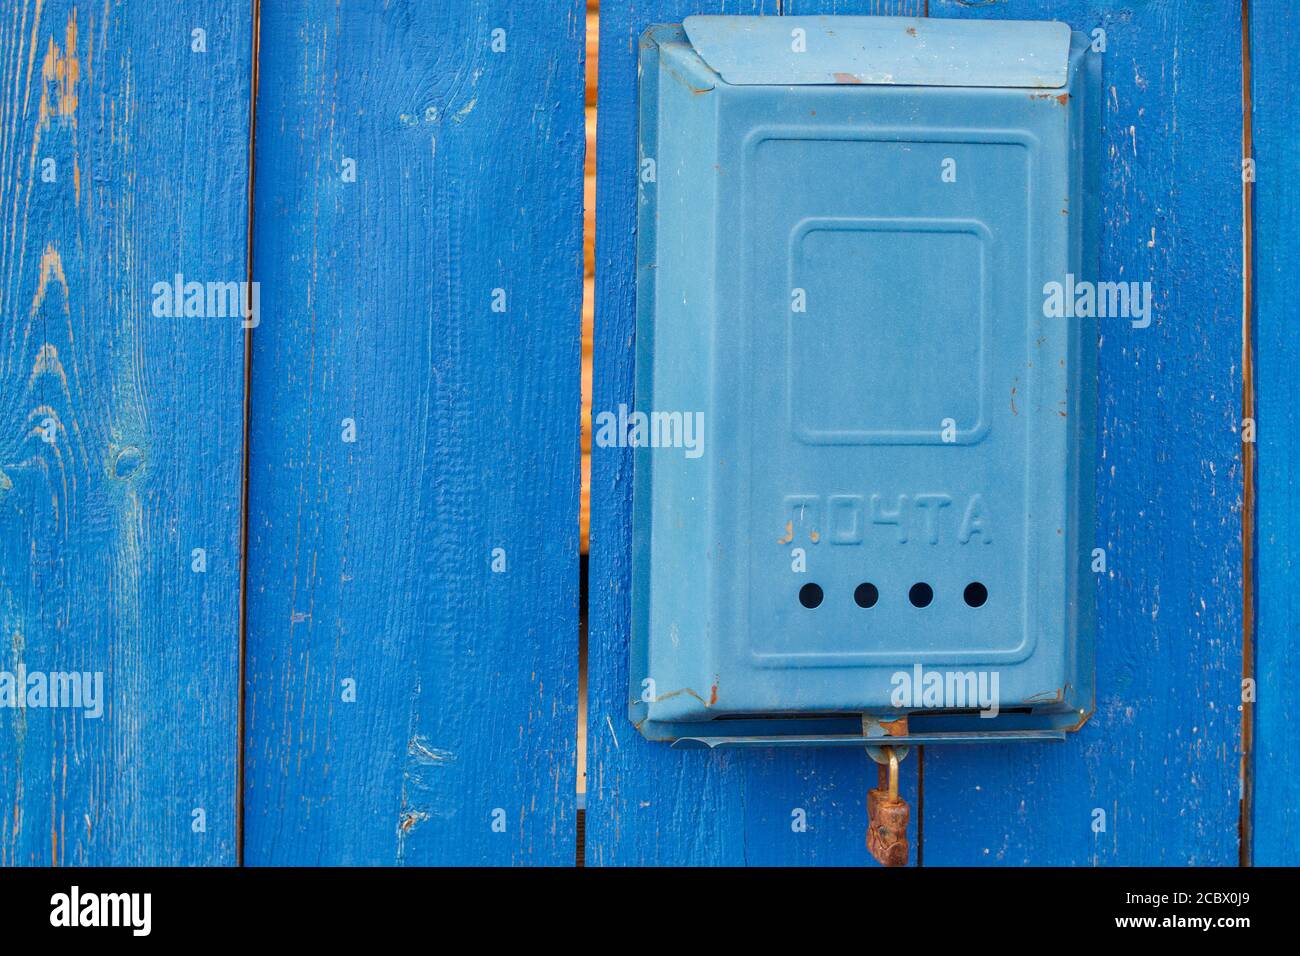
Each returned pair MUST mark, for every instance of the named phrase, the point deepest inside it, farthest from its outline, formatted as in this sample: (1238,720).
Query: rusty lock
(887,814)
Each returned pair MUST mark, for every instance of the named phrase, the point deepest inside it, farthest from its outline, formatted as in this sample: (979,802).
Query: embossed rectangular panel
(843,254)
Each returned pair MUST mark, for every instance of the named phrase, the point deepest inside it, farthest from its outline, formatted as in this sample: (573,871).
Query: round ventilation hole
(866,595)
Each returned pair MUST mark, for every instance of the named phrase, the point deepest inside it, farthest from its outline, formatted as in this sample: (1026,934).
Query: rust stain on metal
(1047,697)
(887,817)
(814,537)
(686,690)
(1084,716)
(713,695)
(911,31)
(686,83)
(846,78)
(789,533)
(895,728)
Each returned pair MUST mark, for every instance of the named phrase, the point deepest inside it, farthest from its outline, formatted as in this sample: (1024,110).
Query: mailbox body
(842,257)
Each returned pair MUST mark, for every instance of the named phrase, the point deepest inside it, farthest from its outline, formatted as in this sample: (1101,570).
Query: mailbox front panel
(845,278)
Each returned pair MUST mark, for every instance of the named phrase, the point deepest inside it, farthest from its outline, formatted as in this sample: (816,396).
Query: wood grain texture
(1161,754)
(646,803)
(149,145)
(1275,63)
(371,560)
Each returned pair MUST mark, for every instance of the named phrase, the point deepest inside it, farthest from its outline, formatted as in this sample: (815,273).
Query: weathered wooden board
(415,408)
(123,163)
(1161,754)
(646,803)
(1275,63)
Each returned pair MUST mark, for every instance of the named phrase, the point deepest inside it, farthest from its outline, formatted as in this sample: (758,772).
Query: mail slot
(847,227)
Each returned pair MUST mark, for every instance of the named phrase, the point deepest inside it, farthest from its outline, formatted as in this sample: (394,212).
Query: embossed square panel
(846,226)
(869,302)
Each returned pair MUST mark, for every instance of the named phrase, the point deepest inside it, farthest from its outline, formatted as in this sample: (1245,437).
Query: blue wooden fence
(123,163)
(413,498)
(1275,62)
(1160,756)
(409,655)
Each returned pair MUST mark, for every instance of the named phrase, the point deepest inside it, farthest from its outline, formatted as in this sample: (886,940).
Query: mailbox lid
(895,51)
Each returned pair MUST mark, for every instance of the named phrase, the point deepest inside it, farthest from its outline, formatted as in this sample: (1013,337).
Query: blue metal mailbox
(864,452)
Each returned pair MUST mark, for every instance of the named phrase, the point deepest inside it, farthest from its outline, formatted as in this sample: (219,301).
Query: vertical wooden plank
(123,163)
(1161,754)
(415,408)
(646,803)
(1275,62)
